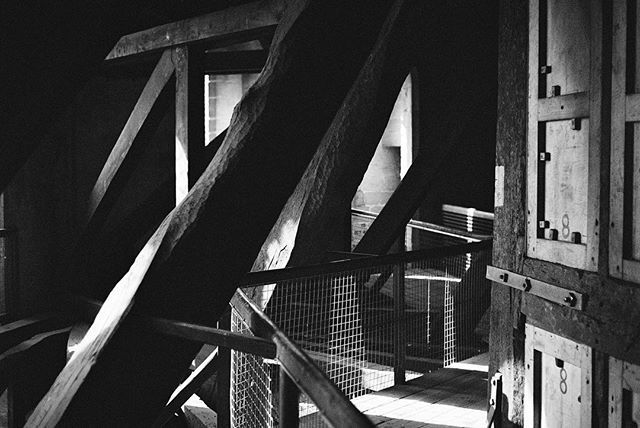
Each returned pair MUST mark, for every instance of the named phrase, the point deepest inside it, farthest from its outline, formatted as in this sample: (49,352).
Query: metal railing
(419,235)
(367,323)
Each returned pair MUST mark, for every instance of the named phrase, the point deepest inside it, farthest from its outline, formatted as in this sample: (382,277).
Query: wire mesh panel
(252,386)
(348,323)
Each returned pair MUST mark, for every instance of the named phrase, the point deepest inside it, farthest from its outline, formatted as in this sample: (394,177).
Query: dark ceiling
(49,48)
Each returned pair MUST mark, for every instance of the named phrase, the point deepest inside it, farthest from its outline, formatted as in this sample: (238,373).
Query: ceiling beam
(240,23)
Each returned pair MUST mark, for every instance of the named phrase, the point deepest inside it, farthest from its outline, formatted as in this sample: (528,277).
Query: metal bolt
(570,299)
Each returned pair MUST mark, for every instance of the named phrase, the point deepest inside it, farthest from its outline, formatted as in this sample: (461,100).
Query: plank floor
(451,397)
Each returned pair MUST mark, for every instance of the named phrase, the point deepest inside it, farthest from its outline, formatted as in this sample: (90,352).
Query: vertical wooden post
(399,337)
(189,117)
(289,395)
(223,377)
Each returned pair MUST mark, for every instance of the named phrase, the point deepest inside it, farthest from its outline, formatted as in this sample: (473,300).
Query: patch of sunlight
(434,278)
(417,411)
(484,368)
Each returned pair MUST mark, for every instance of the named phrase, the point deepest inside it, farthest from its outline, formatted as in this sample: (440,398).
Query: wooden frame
(111,179)
(541,341)
(227,26)
(625,106)
(189,142)
(622,375)
(586,104)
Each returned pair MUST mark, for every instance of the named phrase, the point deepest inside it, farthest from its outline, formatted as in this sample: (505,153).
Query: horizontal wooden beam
(563,107)
(234,61)
(240,23)
(633,108)
(20,361)
(18,331)
(276,275)
(88,309)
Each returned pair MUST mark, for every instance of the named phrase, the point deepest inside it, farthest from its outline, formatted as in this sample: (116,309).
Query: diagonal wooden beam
(16,360)
(405,200)
(235,24)
(205,370)
(13,333)
(204,247)
(29,368)
(308,222)
(103,191)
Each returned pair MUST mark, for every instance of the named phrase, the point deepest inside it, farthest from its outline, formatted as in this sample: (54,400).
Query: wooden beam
(506,336)
(89,308)
(205,246)
(15,362)
(564,107)
(232,25)
(404,201)
(18,331)
(313,211)
(234,61)
(189,142)
(28,369)
(187,388)
(103,191)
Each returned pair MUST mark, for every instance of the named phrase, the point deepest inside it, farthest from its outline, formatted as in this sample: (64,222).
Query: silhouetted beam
(240,23)
(311,217)
(113,175)
(40,83)
(405,200)
(13,333)
(28,370)
(190,267)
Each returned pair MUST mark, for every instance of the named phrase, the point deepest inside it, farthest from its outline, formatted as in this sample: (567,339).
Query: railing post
(289,395)
(400,331)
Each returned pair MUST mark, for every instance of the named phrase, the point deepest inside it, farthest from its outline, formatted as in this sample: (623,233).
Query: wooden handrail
(333,405)
(276,275)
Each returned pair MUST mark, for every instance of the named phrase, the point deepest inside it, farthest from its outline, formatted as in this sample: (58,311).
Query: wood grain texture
(507,331)
(244,22)
(204,247)
(619,106)
(609,321)
(554,406)
(189,105)
(567,106)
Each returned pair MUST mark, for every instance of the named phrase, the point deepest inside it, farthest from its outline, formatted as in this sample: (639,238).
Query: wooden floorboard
(451,397)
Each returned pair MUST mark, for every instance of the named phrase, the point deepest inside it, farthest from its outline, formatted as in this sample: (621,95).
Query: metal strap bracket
(550,292)
(495,402)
